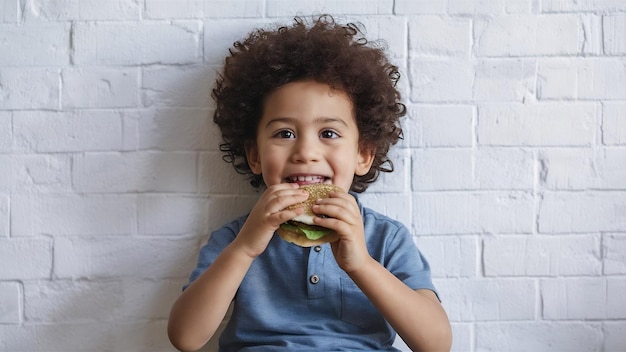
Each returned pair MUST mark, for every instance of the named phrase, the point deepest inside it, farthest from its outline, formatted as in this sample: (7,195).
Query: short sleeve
(391,243)
(217,242)
(406,261)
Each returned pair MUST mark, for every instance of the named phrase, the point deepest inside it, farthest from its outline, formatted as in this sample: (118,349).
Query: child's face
(308,134)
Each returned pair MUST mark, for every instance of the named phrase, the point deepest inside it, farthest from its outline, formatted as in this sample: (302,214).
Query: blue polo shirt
(295,298)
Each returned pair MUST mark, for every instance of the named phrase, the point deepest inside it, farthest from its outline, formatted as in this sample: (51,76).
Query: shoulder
(376,222)
(231,228)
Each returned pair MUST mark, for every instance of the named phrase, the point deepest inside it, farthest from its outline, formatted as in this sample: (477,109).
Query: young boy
(310,103)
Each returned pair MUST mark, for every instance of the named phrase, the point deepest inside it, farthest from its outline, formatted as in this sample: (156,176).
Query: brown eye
(285,134)
(329,134)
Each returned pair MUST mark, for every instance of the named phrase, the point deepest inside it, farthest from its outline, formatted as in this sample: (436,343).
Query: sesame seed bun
(291,231)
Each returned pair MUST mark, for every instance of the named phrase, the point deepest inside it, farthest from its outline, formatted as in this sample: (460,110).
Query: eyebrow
(319,120)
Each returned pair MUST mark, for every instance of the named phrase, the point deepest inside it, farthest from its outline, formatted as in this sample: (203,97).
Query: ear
(252,155)
(364,161)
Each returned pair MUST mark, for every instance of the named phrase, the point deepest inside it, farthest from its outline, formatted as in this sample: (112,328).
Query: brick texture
(511,174)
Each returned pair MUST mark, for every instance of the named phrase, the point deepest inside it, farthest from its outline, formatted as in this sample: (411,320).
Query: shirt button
(314,279)
(318,248)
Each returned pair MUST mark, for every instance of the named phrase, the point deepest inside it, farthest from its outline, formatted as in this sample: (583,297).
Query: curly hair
(326,52)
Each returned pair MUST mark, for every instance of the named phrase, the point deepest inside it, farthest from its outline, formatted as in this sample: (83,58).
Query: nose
(305,150)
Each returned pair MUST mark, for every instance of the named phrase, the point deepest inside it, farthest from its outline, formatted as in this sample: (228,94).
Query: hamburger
(301,230)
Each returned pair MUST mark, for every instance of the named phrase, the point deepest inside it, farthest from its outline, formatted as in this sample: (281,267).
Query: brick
(101,336)
(4,216)
(143,171)
(462,7)
(489,8)
(442,169)
(148,299)
(503,168)
(25,259)
(614,335)
(10,303)
(167,9)
(9,11)
(35,45)
(488,300)
(135,43)
(123,258)
(69,301)
(582,6)
(439,126)
(546,336)
(85,10)
(459,169)
(391,30)
(419,7)
(575,212)
(178,86)
(394,205)
(529,35)
(450,256)
(219,36)
(593,34)
(556,80)
(100,88)
(225,208)
(70,214)
(130,128)
(439,36)
(614,124)
(473,212)
(6,132)
(219,177)
(614,34)
(505,80)
(33,173)
(614,253)
(537,124)
(576,169)
(542,256)
(431,80)
(131,331)
(29,88)
(615,288)
(174,129)
(68,131)
(574,298)
(281,8)
(587,78)
(399,179)
(172,215)
(462,337)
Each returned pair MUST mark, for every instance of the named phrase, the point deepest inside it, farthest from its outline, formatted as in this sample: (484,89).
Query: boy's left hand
(344,217)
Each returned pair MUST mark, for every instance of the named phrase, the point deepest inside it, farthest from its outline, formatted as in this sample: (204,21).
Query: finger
(282,197)
(339,226)
(285,215)
(336,208)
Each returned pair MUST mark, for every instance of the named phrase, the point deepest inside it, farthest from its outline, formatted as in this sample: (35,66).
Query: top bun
(316,191)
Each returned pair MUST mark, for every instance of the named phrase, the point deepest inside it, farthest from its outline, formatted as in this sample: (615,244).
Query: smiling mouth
(306,180)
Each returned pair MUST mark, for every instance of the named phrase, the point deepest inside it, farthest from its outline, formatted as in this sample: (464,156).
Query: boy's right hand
(267,215)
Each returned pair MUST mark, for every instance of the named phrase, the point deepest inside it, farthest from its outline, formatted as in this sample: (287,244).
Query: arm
(417,316)
(198,312)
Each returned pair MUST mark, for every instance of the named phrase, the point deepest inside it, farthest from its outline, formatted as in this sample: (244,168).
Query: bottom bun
(303,241)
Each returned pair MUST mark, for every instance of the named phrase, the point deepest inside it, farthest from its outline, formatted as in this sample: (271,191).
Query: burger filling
(311,232)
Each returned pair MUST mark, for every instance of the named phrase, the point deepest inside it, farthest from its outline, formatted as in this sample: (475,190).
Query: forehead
(306,100)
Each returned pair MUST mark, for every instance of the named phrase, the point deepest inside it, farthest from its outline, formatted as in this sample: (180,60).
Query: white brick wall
(512,174)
